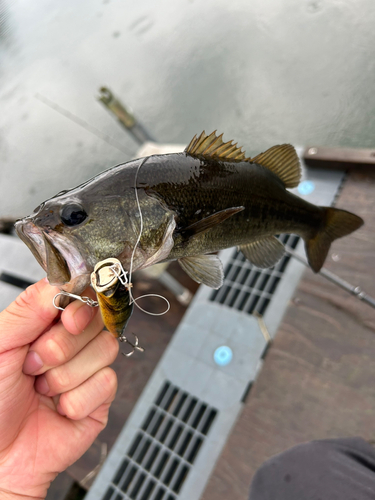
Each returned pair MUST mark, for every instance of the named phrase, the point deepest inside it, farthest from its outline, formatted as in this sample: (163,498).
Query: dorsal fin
(213,146)
(282,161)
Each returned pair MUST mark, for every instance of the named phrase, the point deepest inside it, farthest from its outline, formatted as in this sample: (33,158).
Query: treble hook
(135,346)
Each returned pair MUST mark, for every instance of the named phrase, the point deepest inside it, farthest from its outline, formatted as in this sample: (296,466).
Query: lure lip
(111,270)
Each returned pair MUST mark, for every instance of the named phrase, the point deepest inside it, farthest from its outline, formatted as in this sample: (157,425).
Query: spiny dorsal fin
(213,146)
(282,161)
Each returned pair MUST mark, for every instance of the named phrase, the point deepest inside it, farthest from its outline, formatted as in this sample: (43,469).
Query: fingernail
(60,410)
(41,385)
(82,317)
(32,363)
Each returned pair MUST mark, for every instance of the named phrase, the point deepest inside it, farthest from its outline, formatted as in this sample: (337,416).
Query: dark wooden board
(339,158)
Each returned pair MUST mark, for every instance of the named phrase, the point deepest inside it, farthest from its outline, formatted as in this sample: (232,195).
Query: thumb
(28,316)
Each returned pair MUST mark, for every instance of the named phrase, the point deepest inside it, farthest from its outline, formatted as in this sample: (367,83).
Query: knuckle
(108,345)
(109,379)
(59,379)
(109,383)
(73,407)
(23,301)
(27,300)
(57,352)
(24,298)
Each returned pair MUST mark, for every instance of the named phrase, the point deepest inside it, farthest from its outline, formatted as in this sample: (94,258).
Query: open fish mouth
(62,262)
(33,238)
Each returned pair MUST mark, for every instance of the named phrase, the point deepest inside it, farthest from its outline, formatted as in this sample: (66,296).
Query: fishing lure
(112,288)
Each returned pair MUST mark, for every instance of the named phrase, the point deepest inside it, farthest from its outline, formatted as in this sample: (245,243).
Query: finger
(28,316)
(90,396)
(57,346)
(98,353)
(77,315)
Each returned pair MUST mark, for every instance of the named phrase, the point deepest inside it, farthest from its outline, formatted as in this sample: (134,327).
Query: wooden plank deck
(318,377)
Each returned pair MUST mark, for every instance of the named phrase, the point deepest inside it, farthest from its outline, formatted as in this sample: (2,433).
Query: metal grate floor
(248,288)
(164,448)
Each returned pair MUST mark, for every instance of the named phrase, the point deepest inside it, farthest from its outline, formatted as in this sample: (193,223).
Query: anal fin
(206,269)
(264,253)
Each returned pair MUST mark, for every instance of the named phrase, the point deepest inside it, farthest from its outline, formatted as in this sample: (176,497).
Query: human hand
(55,388)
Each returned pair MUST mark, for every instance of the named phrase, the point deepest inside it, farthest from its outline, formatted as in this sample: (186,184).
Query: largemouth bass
(184,207)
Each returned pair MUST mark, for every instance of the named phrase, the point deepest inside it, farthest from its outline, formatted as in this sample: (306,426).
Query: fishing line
(132,299)
(79,121)
(123,276)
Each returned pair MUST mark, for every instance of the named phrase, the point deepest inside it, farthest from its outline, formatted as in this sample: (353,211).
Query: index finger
(28,316)
(77,314)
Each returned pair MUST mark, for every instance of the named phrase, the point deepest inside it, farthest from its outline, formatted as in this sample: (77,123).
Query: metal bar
(183,295)
(124,116)
(17,281)
(339,158)
(348,287)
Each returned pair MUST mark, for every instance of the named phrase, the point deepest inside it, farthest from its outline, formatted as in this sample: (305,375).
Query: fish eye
(73,214)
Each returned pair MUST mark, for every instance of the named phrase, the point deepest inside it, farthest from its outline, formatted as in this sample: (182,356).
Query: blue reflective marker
(223,355)
(306,187)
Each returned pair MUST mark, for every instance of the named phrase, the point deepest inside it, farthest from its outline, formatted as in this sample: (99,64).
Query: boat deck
(317,381)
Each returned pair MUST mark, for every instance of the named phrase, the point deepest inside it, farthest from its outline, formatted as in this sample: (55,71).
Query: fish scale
(190,204)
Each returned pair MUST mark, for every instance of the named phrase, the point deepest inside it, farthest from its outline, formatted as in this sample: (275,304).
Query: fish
(183,206)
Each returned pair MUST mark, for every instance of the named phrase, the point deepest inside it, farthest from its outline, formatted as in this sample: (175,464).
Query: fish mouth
(62,262)
(33,239)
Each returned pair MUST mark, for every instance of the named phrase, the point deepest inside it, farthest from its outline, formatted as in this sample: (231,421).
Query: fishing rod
(356,291)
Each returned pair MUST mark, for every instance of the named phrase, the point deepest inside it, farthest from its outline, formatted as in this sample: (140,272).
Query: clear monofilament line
(122,276)
(132,299)
(141,225)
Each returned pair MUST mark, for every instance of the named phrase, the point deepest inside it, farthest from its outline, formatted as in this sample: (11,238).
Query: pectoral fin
(210,221)
(264,253)
(206,269)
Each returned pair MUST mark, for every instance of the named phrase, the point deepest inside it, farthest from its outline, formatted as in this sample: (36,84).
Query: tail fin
(335,224)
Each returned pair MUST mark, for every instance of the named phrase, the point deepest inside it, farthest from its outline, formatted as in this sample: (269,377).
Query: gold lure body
(113,295)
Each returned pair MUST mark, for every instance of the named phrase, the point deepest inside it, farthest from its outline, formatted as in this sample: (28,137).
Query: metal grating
(164,449)
(248,288)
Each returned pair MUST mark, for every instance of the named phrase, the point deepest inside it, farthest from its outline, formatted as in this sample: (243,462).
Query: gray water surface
(262,72)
